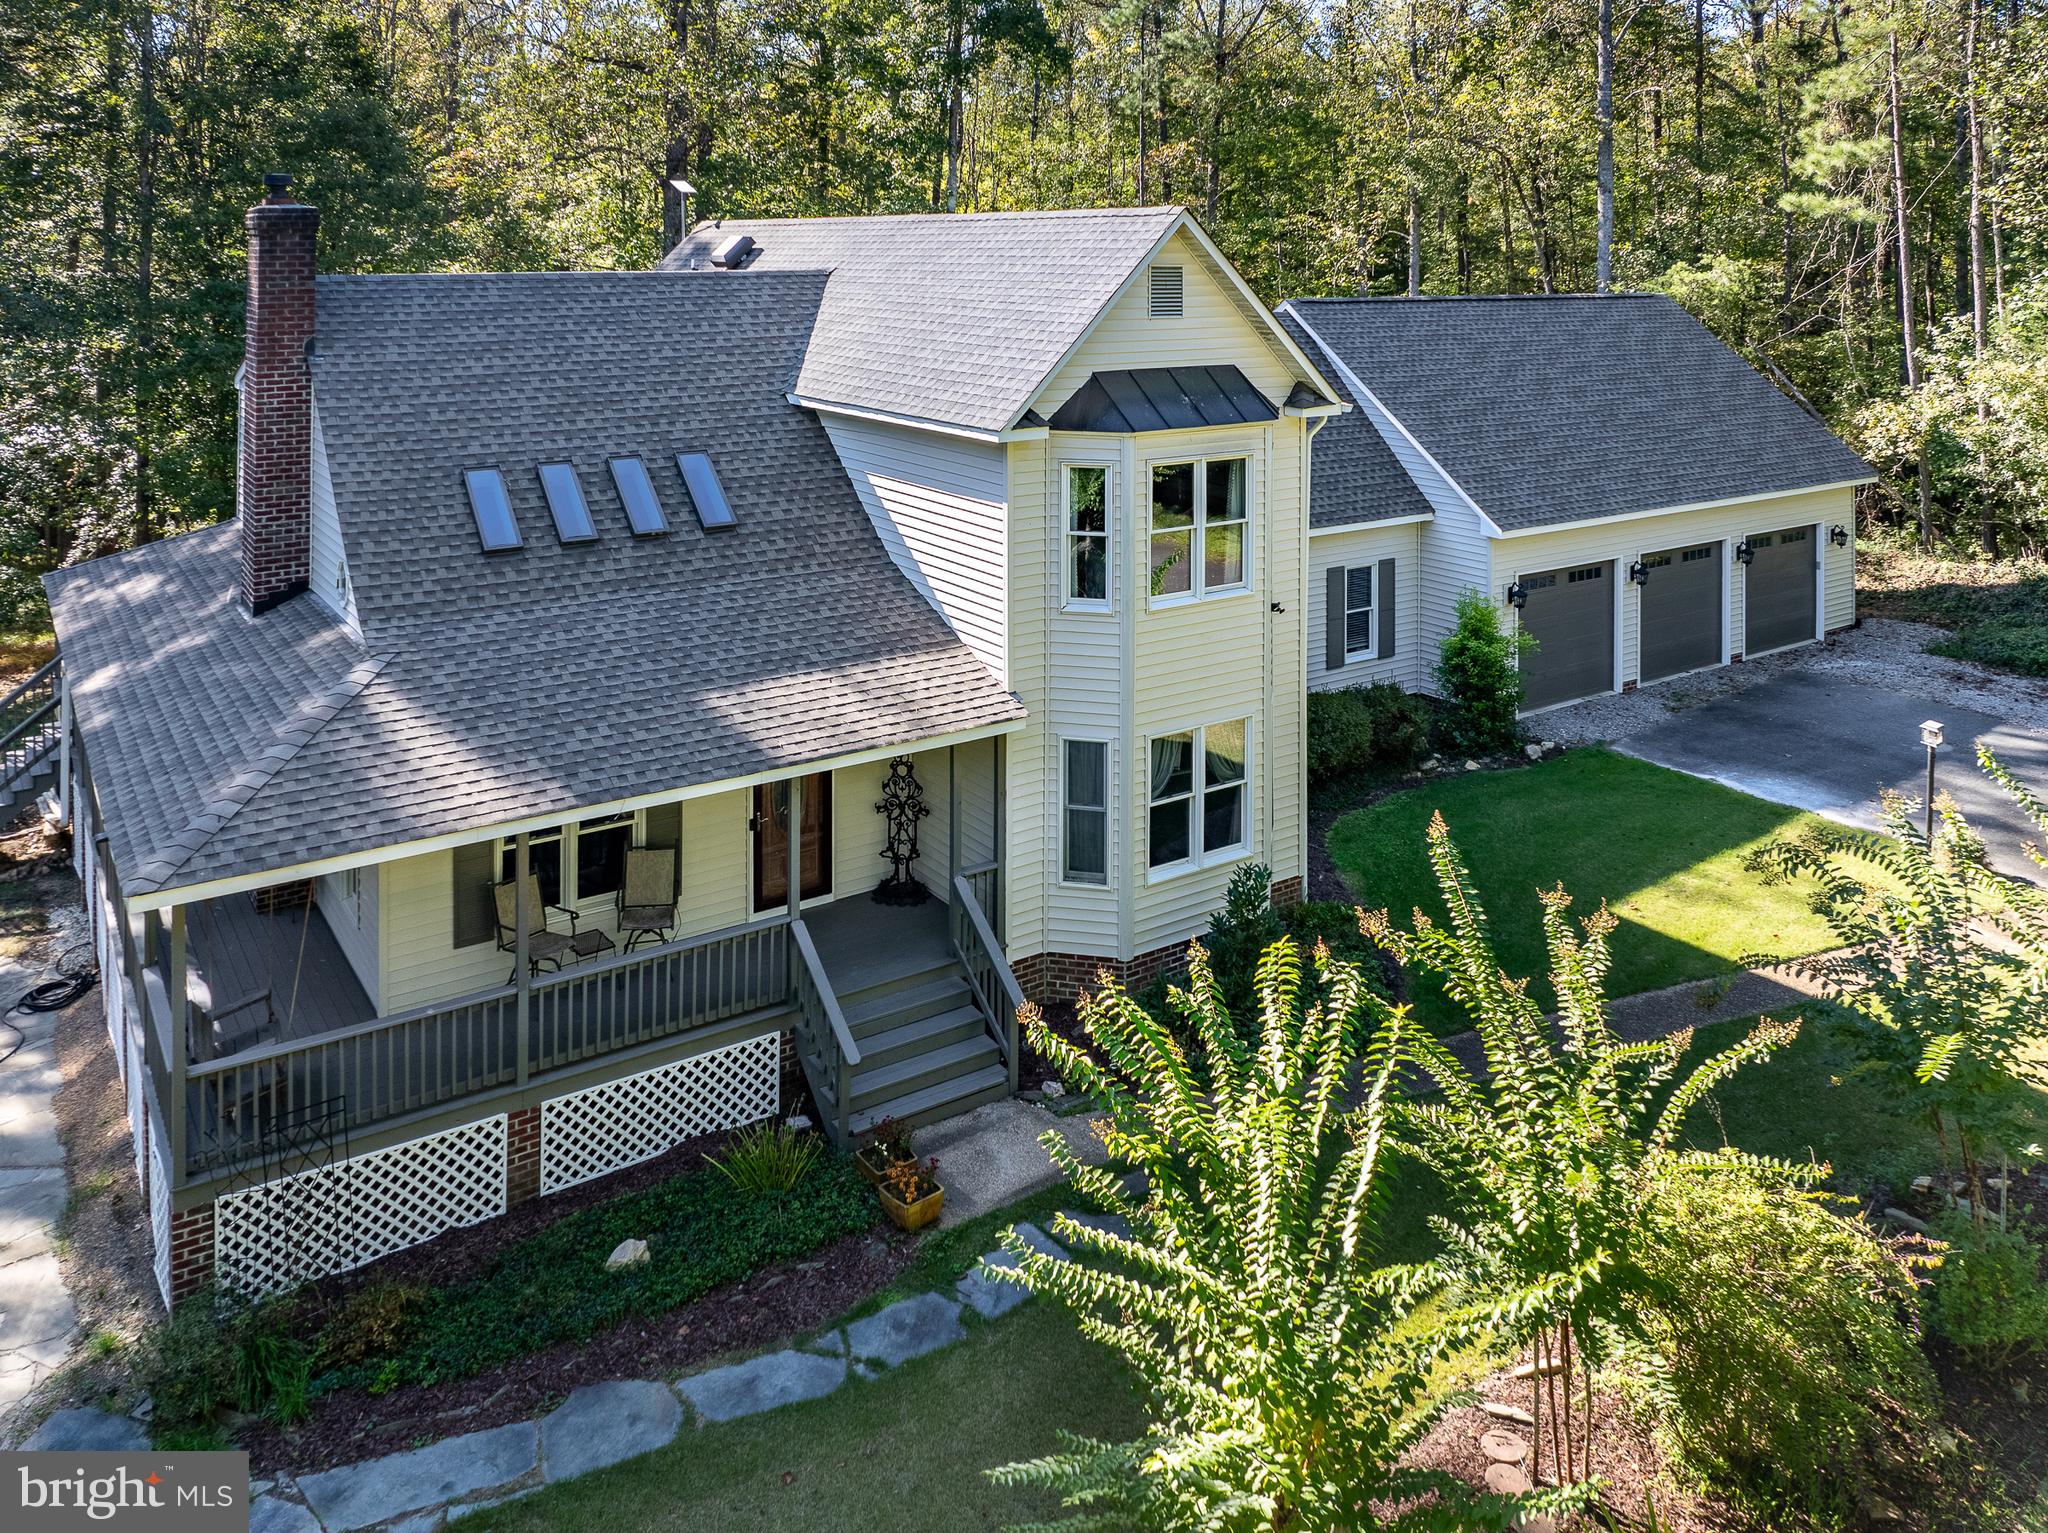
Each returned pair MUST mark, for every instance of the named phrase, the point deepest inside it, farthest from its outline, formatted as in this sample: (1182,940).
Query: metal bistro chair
(647,898)
(542,946)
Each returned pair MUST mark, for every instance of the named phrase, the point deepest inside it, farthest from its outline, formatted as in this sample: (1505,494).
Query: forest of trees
(1855,194)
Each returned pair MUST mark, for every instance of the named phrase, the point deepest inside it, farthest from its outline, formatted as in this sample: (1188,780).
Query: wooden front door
(771,841)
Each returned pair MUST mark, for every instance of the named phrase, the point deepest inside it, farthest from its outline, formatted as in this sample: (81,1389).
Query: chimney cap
(276,183)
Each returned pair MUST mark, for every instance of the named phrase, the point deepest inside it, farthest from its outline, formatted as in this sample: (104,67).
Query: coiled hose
(74,979)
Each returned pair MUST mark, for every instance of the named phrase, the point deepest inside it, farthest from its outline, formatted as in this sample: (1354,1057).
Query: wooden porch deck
(237,951)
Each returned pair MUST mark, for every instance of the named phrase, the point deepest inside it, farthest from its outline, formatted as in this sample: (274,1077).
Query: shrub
(1285,1373)
(1361,728)
(271,1367)
(1247,925)
(189,1363)
(702,1232)
(770,1157)
(1476,669)
(368,1323)
(1777,1365)
(1988,1298)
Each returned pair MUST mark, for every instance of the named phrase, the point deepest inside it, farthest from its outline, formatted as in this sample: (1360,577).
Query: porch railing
(824,1042)
(988,971)
(30,726)
(390,1066)
(986,880)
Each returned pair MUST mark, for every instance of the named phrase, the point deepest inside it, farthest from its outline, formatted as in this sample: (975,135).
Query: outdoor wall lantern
(1517,597)
(1743,552)
(1839,535)
(1639,573)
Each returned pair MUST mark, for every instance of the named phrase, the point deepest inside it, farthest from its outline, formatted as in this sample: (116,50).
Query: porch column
(952,818)
(522,865)
(180,1042)
(1000,774)
(795,847)
(63,749)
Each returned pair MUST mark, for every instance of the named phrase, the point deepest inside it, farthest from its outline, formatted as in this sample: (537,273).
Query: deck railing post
(522,863)
(180,1043)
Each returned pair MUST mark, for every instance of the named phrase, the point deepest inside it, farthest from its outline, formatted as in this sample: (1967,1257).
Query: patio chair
(542,946)
(647,898)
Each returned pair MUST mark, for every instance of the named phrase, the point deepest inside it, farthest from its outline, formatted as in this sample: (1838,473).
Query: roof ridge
(1144,210)
(1449,298)
(290,737)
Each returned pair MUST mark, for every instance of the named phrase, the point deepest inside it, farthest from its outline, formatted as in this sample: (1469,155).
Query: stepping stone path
(426,1489)
(86,1431)
(602,1424)
(780,1378)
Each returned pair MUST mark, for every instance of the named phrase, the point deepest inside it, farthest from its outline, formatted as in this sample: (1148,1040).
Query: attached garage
(1682,606)
(1570,614)
(1781,589)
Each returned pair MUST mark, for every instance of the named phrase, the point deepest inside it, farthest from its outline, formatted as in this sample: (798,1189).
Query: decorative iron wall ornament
(902,806)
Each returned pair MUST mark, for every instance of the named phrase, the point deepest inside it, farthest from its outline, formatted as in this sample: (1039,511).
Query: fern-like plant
(1939,983)
(1285,1373)
(1551,1157)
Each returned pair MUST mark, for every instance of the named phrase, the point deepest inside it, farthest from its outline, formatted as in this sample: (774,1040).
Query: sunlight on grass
(1663,849)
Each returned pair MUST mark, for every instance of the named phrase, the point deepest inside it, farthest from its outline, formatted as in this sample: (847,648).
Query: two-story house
(501,798)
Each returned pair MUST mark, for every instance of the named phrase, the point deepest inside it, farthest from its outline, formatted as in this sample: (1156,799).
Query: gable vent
(1166,292)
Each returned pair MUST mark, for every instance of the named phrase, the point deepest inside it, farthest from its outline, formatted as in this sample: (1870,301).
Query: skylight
(565,500)
(643,511)
(492,508)
(706,493)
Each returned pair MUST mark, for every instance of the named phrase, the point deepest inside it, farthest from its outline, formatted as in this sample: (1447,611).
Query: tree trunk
(1144,123)
(676,113)
(1603,117)
(1905,265)
(956,63)
(145,275)
(1699,128)
(1987,514)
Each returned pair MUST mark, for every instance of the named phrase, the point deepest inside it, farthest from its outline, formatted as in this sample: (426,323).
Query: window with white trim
(1084,812)
(1360,635)
(1088,536)
(1201,518)
(1196,796)
(594,851)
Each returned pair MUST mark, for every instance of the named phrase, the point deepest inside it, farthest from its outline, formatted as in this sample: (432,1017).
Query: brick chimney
(273,467)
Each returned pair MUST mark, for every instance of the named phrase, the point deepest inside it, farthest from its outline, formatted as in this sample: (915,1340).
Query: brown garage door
(1681,610)
(1570,614)
(1778,589)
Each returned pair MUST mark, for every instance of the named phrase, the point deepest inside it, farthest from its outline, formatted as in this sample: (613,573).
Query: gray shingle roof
(1548,410)
(495,687)
(950,317)
(1353,474)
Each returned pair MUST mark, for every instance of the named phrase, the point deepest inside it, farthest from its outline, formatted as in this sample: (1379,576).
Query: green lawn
(1663,849)
(903,1452)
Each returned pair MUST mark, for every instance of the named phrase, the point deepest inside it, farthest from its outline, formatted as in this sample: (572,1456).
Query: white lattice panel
(333,1218)
(623,1122)
(137,1131)
(160,1207)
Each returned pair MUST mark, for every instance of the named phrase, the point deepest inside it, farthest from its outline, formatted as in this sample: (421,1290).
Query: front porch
(350,1009)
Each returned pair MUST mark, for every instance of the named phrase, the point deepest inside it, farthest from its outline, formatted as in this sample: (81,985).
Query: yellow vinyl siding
(1624,542)
(1028,871)
(1410,667)
(1211,331)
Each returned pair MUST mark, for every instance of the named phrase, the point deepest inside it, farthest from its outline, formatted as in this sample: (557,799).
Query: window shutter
(1383,601)
(476,914)
(664,824)
(1333,619)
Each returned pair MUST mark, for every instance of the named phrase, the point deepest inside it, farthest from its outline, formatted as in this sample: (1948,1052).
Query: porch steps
(27,788)
(926,1052)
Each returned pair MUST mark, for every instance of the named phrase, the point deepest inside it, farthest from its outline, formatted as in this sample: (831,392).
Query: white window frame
(1198,788)
(1108,811)
(567,833)
(1198,563)
(1372,627)
(1069,602)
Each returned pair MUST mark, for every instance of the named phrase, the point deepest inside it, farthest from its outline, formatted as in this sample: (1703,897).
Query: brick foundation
(1047,977)
(191,1251)
(1287,892)
(522,1155)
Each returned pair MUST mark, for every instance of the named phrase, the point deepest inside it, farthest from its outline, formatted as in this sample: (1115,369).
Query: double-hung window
(1198,811)
(1359,641)
(1201,515)
(1088,536)
(581,862)
(1084,800)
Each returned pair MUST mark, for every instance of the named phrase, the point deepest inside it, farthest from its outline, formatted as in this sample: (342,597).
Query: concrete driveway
(1819,741)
